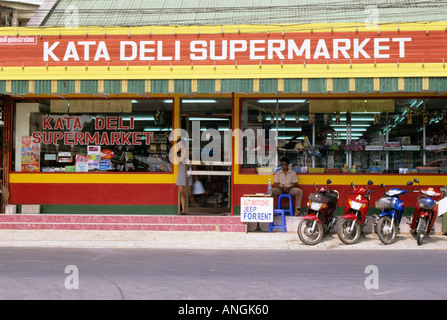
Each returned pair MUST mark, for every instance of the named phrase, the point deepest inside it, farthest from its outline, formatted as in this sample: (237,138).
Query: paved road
(42,273)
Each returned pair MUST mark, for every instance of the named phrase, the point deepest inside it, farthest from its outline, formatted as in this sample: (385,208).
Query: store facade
(90,113)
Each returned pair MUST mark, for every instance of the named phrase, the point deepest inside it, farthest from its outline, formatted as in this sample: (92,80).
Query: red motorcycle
(320,217)
(354,217)
(426,212)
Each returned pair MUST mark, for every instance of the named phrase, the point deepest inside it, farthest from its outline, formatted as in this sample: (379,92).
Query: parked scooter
(354,217)
(425,213)
(391,208)
(320,215)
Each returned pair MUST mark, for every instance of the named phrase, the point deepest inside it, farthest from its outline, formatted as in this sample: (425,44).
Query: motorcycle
(426,212)
(354,216)
(320,215)
(392,208)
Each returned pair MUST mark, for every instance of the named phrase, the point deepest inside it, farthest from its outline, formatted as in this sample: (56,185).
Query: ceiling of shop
(211,12)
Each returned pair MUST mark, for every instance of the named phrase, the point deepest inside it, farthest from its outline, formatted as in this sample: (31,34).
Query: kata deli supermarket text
(116,131)
(226,50)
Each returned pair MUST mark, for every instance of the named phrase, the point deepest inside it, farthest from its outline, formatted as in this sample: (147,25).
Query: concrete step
(121,222)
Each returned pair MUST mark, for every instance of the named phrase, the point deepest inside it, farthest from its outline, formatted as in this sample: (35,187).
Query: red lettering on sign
(68,122)
(115,138)
(37,136)
(77,124)
(121,126)
(111,123)
(136,138)
(78,138)
(57,136)
(89,139)
(68,138)
(59,124)
(46,123)
(125,138)
(104,139)
(99,123)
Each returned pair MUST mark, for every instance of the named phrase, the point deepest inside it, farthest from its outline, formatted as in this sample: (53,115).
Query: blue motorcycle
(392,208)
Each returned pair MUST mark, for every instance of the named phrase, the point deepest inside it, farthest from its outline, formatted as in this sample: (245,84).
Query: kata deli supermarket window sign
(61,128)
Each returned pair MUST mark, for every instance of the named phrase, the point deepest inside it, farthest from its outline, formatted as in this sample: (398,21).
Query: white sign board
(257,209)
(442,207)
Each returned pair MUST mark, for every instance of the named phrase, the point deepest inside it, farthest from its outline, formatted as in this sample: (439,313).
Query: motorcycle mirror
(382,185)
(329,181)
(416,180)
(352,184)
(370,182)
(315,185)
(409,183)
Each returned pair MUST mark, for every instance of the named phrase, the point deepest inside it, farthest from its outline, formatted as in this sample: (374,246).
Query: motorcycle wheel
(420,231)
(382,225)
(305,233)
(346,236)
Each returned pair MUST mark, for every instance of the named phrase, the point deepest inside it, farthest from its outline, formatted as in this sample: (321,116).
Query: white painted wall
(21,128)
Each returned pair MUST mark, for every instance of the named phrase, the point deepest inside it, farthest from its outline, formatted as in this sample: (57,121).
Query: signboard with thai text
(139,53)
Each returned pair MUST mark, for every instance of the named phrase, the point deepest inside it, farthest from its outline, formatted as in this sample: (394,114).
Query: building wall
(28,78)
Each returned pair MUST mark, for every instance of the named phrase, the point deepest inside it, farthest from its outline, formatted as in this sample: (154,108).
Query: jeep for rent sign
(257,209)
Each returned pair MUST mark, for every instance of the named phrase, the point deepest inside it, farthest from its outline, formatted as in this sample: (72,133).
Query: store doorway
(208,171)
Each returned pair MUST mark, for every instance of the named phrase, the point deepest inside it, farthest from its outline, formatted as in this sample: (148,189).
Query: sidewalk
(201,240)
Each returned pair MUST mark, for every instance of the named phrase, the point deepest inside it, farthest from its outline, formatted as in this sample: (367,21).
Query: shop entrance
(209,168)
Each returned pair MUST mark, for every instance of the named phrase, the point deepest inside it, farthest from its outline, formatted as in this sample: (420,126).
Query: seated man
(285,181)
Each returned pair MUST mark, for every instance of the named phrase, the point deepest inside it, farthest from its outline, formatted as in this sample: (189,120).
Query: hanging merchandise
(433,114)
(306,142)
(262,109)
(348,118)
(159,118)
(283,117)
(311,118)
(297,118)
(259,117)
(337,118)
(377,118)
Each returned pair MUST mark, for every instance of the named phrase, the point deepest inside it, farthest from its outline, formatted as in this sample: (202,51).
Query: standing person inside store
(181,176)
(286,181)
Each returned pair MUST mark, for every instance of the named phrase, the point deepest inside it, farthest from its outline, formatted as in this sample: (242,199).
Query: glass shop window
(93,136)
(345,136)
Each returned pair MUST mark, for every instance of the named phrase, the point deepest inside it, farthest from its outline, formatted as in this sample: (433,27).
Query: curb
(201,240)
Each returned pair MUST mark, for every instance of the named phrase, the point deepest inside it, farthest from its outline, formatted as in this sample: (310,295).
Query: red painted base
(116,222)
(93,194)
